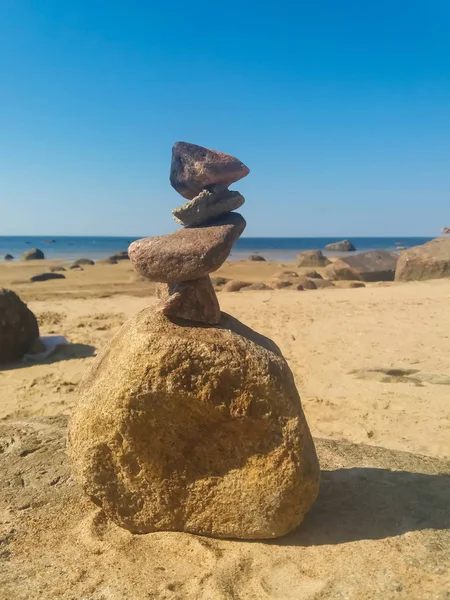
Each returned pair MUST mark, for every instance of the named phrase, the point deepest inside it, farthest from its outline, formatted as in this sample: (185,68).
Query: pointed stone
(195,168)
(207,206)
(193,300)
(189,253)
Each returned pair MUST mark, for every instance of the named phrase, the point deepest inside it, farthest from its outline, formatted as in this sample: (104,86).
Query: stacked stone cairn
(182,261)
(189,420)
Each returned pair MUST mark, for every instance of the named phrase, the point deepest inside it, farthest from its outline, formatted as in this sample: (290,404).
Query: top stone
(195,168)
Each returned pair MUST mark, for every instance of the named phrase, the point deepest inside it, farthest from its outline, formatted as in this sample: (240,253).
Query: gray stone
(207,206)
(189,253)
(257,258)
(344,246)
(195,168)
(193,300)
(378,265)
(8,257)
(33,254)
(47,276)
(84,261)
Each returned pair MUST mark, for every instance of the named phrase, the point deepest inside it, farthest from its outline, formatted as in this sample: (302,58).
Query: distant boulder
(430,261)
(32,254)
(123,255)
(256,286)
(110,260)
(344,246)
(218,281)
(312,258)
(57,269)
(8,257)
(279,284)
(83,261)
(378,265)
(19,328)
(47,276)
(77,267)
(256,257)
(235,286)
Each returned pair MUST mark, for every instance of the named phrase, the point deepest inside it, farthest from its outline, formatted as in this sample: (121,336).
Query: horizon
(340,112)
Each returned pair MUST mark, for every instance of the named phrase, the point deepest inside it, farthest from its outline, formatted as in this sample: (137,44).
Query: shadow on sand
(366,503)
(67,352)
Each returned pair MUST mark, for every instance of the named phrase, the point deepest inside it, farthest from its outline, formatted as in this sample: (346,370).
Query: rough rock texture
(84,261)
(47,276)
(19,328)
(378,265)
(430,261)
(187,253)
(344,246)
(193,300)
(196,429)
(195,168)
(207,206)
(33,254)
(312,258)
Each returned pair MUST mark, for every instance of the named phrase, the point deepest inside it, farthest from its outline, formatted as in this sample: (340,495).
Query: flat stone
(378,265)
(193,300)
(189,253)
(195,168)
(207,206)
(47,276)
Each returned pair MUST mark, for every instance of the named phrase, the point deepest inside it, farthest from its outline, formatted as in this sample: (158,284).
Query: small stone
(19,328)
(57,269)
(344,246)
(33,254)
(193,300)
(195,168)
(189,253)
(256,257)
(84,261)
(207,206)
(312,258)
(76,267)
(256,287)
(47,276)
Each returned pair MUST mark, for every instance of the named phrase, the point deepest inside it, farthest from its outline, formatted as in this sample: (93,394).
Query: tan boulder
(235,286)
(430,261)
(312,258)
(195,429)
(376,265)
(193,300)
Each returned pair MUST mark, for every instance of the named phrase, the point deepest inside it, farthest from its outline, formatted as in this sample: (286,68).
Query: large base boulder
(378,265)
(19,328)
(194,428)
(430,261)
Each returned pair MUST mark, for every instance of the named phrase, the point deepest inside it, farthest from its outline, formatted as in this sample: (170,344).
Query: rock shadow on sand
(66,352)
(369,503)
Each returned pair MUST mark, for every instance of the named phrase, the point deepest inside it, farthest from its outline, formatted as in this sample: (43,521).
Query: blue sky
(340,109)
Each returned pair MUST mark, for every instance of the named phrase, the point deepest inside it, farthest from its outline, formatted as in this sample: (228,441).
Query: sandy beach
(372,368)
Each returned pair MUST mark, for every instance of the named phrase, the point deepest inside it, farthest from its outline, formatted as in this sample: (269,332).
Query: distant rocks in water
(188,253)
(83,262)
(122,255)
(32,254)
(344,246)
(429,261)
(168,403)
(57,269)
(312,258)
(49,241)
(47,276)
(8,257)
(19,328)
(235,286)
(195,168)
(378,265)
(207,206)
(257,257)
(110,260)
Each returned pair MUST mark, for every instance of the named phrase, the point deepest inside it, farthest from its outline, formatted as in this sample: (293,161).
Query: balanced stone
(195,429)
(207,206)
(193,300)
(188,253)
(195,168)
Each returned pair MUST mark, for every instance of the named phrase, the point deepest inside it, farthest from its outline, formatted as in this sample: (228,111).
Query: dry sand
(373,369)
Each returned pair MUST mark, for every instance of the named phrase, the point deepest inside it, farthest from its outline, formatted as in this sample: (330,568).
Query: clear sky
(341,109)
